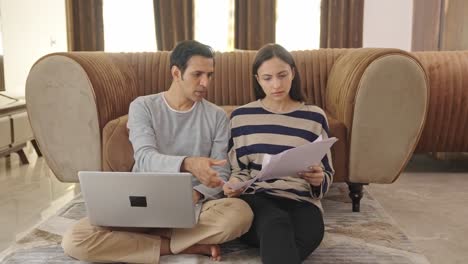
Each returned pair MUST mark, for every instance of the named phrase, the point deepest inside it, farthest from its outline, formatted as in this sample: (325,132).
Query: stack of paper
(290,162)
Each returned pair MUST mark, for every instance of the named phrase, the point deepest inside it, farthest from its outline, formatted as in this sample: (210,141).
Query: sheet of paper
(292,161)
(267,157)
(266,160)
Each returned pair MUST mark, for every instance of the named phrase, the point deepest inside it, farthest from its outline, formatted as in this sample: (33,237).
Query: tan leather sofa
(376,101)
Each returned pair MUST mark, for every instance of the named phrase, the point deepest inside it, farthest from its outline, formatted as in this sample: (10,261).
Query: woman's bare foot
(214,251)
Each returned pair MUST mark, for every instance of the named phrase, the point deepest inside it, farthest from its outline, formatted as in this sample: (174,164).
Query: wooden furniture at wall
(15,130)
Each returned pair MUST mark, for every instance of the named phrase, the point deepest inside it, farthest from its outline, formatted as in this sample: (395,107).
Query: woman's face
(275,77)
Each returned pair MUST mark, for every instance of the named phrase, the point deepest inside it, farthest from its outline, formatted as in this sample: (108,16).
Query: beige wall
(388,24)
(31,29)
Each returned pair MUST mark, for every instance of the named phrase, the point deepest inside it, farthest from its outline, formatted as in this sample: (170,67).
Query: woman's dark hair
(184,50)
(270,51)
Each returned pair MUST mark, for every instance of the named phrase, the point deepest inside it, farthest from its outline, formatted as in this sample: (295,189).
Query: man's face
(196,78)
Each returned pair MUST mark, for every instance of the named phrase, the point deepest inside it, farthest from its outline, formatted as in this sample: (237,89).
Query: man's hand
(314,176)
(200,167)
(196,196)
(230,192)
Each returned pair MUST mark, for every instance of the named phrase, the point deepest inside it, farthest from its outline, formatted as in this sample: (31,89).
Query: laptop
(134,199)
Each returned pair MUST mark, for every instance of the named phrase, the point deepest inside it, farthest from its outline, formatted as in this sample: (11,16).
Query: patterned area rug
(370,236)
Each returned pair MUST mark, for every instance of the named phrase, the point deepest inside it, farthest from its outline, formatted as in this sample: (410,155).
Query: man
(177,130)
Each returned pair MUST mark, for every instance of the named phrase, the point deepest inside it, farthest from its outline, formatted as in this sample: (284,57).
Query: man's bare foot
(214,251)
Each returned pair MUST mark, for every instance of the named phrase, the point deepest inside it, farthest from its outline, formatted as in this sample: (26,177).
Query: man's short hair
(184,50)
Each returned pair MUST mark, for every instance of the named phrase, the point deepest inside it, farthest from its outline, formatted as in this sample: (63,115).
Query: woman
(288,223)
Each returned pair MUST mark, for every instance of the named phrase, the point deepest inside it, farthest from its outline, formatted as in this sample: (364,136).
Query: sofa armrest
(381,95)
(70,97)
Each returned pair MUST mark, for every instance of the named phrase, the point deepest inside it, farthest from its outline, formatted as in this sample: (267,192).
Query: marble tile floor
(428,202)
(29,194)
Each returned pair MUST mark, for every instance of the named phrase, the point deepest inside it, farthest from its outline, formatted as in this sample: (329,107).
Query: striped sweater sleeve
(239,167)
(318,192)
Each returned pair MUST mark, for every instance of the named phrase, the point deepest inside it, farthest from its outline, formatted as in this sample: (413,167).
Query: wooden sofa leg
(22,156)
(355,193)
(36,148)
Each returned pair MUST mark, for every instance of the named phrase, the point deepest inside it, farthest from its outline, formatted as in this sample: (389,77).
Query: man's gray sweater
(162,137)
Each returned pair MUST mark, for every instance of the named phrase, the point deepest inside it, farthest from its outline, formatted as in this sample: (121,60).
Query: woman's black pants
(285,230)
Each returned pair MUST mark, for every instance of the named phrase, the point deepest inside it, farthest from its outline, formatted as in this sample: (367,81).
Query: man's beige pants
(220,221)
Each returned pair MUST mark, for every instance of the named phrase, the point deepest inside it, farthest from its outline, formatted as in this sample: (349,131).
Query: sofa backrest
(446,127)
(232,81)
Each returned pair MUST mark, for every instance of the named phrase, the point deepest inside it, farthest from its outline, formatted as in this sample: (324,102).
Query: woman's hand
(230,192)
(314,176)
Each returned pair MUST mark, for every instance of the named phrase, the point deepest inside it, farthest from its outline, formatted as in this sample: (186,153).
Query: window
(215,28)
(129,26)
(298,24)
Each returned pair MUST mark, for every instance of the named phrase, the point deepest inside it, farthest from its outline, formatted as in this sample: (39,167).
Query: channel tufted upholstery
(446,128)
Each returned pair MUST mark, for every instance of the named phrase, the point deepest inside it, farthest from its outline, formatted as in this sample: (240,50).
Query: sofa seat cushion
(117,151)
(339,150)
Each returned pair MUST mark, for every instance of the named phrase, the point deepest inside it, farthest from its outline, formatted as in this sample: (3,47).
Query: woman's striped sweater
(256,130)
